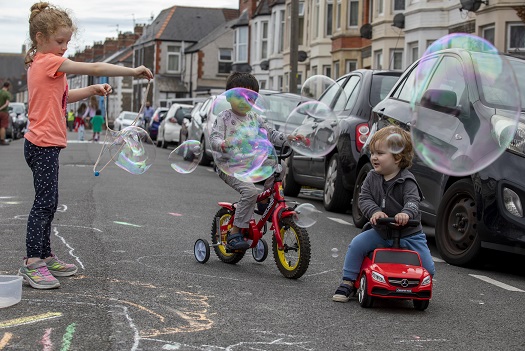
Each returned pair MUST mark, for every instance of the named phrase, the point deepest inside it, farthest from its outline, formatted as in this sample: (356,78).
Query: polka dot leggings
(43,162)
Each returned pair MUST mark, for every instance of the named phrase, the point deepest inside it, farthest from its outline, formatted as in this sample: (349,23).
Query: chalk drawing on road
(29,319)
(128,224)
(71,249)
(5,340)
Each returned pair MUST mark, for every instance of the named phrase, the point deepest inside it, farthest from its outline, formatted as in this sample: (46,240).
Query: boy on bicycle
(389,190)
(227,122)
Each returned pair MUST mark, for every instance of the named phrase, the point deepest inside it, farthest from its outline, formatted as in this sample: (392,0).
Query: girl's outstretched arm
(82,93)
(103,69)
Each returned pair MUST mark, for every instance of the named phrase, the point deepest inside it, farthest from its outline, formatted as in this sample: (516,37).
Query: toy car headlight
(378,277)
(426,280)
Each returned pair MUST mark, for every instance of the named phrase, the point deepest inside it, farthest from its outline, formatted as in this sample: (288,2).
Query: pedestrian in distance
(79,120)
(70,119)
(5,98)
(389,190)
(91,110)
(148,114)
(226,124)
(96,122)
(50,30)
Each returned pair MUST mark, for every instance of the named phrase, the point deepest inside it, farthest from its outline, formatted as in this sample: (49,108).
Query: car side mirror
(444,101)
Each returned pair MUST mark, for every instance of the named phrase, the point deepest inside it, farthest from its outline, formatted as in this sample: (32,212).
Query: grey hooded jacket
(403,195)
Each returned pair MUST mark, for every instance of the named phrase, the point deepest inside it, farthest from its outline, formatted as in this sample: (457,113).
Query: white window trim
(394,11)
(173,53)
(509,26)
(348,14)
(240,47)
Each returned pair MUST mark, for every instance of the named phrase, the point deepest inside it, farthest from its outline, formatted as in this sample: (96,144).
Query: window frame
(177,55)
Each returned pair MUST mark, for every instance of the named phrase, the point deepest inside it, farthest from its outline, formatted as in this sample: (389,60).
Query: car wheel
(290,186)
(158,142)
(336,198)
(357,215)
(205,159)
(457,239)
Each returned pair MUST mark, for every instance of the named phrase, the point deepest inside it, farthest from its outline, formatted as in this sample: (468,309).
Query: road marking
(497,283)
(339,220)
(5,340)
(130,224)
(175,214)
(30,319)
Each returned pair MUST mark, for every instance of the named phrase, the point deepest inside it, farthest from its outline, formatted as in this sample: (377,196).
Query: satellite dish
(302,56)
(399,21)
(472,5)
(366,31)
(265,65)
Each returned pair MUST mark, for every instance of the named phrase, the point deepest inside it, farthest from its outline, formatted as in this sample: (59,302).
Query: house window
(327,70)
(281,31)
(399,5)
(353,13)
(413,52)
(380,7)
(301,22)
(336,70)
(280,83)
(396,59)
(515,37)
(378,59)
(350,65)
(174,58)
(329,17)
(262,84)
(240,44)
(338,15)
(488,33)
(316,21)
(264,40)
(225,60)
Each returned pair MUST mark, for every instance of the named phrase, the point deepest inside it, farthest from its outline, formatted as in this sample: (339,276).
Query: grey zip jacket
(402,196)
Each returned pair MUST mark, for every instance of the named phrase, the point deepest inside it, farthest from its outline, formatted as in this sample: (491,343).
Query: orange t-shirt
(48,92)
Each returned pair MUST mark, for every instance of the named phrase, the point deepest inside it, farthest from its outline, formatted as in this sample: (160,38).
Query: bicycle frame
(277,209)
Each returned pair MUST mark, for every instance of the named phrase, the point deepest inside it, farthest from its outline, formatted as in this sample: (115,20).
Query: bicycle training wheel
(260,251)
(201,250)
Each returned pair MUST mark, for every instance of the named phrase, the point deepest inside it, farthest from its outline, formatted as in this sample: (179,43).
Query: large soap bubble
(466,105)
(132,150)
(185,158)
(245,152)
(316,127)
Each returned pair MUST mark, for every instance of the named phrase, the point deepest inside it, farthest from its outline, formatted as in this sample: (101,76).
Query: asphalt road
(139,286)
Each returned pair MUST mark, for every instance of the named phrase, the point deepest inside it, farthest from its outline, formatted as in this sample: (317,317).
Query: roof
(12,68)
(210,38)
(180,23)
(262,9)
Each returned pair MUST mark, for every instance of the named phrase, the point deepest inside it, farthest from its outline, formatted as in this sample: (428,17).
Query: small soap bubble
(185,158)
(306,215)
(395,143)
(335,252)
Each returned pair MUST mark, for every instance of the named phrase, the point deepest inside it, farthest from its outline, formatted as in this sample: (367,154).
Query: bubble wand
(116,133)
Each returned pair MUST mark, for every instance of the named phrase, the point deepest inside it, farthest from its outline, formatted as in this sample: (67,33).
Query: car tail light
(361,134)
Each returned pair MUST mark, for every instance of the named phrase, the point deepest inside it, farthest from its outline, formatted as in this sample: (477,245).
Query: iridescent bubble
(132,150)
(185,158)
(245,152)
(335,252)
(395,143)
(325,89)
(466,105)
(316,128)
(306,215)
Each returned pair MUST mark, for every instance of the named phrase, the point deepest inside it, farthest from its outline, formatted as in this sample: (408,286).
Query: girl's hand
(376,216)
(401,218)
(143,72)
(101,89)
(299,137)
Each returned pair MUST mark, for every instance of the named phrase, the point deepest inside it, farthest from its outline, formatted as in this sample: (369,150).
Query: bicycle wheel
(294,258)
(221,219)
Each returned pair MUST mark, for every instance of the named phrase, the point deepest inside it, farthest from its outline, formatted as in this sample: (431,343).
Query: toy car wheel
(421,305)
(260,251)
(364,299)
(201,250)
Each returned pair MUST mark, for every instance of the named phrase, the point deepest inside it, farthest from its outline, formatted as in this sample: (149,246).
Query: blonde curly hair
(403,143)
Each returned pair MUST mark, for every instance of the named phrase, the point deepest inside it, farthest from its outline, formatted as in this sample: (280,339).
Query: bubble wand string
(95,172)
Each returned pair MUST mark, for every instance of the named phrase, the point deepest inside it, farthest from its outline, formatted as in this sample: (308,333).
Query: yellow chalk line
(30,319)
(5,340)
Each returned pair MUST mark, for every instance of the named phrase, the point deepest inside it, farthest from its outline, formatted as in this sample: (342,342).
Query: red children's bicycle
(290,243)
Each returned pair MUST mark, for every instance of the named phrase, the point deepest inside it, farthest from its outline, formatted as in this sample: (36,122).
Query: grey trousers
(249,192)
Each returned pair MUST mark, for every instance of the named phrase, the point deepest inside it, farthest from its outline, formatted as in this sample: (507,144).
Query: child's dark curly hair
(403,143)
(242,80)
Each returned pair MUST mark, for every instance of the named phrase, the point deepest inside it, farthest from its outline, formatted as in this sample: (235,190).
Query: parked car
(169,128)
(470,213)
(153,126)
(125,119)
(187,121)
(278,104)
(17,120)
(336,172)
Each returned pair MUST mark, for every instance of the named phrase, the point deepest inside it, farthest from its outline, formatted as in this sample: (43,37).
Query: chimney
(139,29)
(88,54)
(98,51)
(110,46)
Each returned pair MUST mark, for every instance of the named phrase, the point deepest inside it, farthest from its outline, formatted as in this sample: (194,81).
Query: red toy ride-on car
(394,273)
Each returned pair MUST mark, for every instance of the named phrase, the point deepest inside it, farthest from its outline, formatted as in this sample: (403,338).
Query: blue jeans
(369,240)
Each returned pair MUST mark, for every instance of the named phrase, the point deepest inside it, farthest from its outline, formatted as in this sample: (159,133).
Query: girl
(50,30)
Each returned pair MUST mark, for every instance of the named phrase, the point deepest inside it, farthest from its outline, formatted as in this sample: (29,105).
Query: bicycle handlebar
(389,220)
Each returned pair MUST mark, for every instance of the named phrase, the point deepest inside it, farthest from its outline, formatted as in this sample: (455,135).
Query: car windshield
(381,86)
(16,108)
(280,106)
(129,116)
(499,93)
